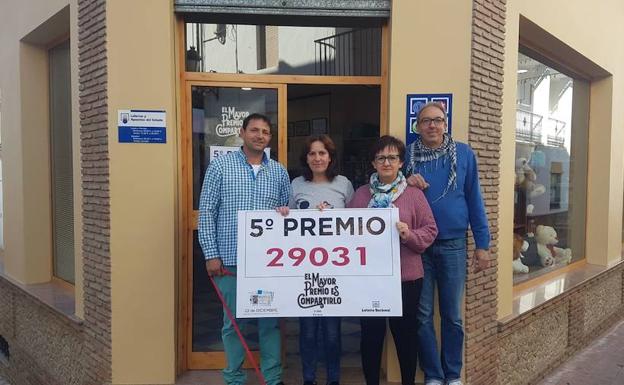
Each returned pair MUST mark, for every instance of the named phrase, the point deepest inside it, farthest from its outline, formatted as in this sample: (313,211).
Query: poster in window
(302,128)
(319,126)
(415,102)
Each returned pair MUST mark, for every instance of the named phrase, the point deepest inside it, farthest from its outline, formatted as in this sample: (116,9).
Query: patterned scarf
(421,153)
(382,195)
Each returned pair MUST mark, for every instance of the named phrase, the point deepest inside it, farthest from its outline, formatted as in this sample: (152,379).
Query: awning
(379,9)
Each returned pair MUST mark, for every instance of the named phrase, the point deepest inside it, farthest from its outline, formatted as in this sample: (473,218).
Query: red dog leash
(236,328)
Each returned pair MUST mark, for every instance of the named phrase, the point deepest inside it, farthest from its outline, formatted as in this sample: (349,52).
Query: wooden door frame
(211,360)
(187,220)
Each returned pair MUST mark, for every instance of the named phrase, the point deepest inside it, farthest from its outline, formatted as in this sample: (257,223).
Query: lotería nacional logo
(375,308)
(261,298)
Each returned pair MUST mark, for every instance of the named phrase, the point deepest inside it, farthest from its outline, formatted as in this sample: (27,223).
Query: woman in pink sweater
(417,230)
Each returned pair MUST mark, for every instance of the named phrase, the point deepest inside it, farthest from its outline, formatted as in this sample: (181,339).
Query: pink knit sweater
(415,211)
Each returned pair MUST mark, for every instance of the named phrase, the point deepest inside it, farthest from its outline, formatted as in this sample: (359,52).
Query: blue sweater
(461,206)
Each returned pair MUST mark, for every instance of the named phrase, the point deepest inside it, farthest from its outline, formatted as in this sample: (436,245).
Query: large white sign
(340,262)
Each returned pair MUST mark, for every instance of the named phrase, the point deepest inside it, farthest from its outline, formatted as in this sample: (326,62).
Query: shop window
(61,166)
(284,50)
(551,169)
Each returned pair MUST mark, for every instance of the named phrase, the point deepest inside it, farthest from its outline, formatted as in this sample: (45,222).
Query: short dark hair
(331,171)
(387,141)
(256,116)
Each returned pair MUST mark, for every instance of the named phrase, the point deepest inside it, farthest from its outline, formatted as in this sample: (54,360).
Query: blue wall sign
(415,102)
(142,126)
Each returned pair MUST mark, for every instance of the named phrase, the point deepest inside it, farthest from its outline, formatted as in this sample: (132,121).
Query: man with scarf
(447,173)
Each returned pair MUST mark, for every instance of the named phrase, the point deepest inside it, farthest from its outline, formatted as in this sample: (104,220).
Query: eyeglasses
(437,121)
(392,159)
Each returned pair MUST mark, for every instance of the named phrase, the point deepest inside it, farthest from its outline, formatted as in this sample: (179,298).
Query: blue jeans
(308,342)
(444,263)
(268,335)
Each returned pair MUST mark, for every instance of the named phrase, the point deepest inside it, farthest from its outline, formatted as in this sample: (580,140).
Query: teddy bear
(526,177)
(519,246)
(542,250)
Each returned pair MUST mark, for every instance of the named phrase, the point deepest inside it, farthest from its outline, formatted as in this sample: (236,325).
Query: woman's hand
(404,230)
(283,210)
(418,181)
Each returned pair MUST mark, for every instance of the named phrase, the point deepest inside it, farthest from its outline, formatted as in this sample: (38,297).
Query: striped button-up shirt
(229,186)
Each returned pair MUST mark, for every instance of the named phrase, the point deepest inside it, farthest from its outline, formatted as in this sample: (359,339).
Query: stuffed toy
(519,246)
(542,250)
(526,177)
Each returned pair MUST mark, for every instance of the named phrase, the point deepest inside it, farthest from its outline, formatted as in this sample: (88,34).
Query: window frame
(551,60)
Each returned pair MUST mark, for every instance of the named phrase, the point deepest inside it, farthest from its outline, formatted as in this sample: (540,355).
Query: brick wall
(485,118)
(95,188)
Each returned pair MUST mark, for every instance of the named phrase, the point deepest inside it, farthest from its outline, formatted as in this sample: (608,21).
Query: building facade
(101,277)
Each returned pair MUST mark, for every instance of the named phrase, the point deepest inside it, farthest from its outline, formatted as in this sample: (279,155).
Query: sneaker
(434,382)
(455,382)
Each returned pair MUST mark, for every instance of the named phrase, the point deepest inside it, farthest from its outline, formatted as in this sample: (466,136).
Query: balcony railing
(528,126)
(351,53)
(555,140)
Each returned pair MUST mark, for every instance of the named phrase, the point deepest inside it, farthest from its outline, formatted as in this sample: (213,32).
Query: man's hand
(418,181)
(480,260)
(214,267)
(283,210)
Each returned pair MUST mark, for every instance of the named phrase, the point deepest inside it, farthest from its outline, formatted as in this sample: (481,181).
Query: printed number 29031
(317,256)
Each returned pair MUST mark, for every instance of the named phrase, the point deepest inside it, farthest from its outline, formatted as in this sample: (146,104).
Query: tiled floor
(292,376)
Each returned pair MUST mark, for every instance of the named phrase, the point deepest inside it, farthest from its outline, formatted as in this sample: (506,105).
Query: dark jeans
(445,266)
(308,341)
(404,332)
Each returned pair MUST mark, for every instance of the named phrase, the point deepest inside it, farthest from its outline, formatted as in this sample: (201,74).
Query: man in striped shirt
(242,180)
